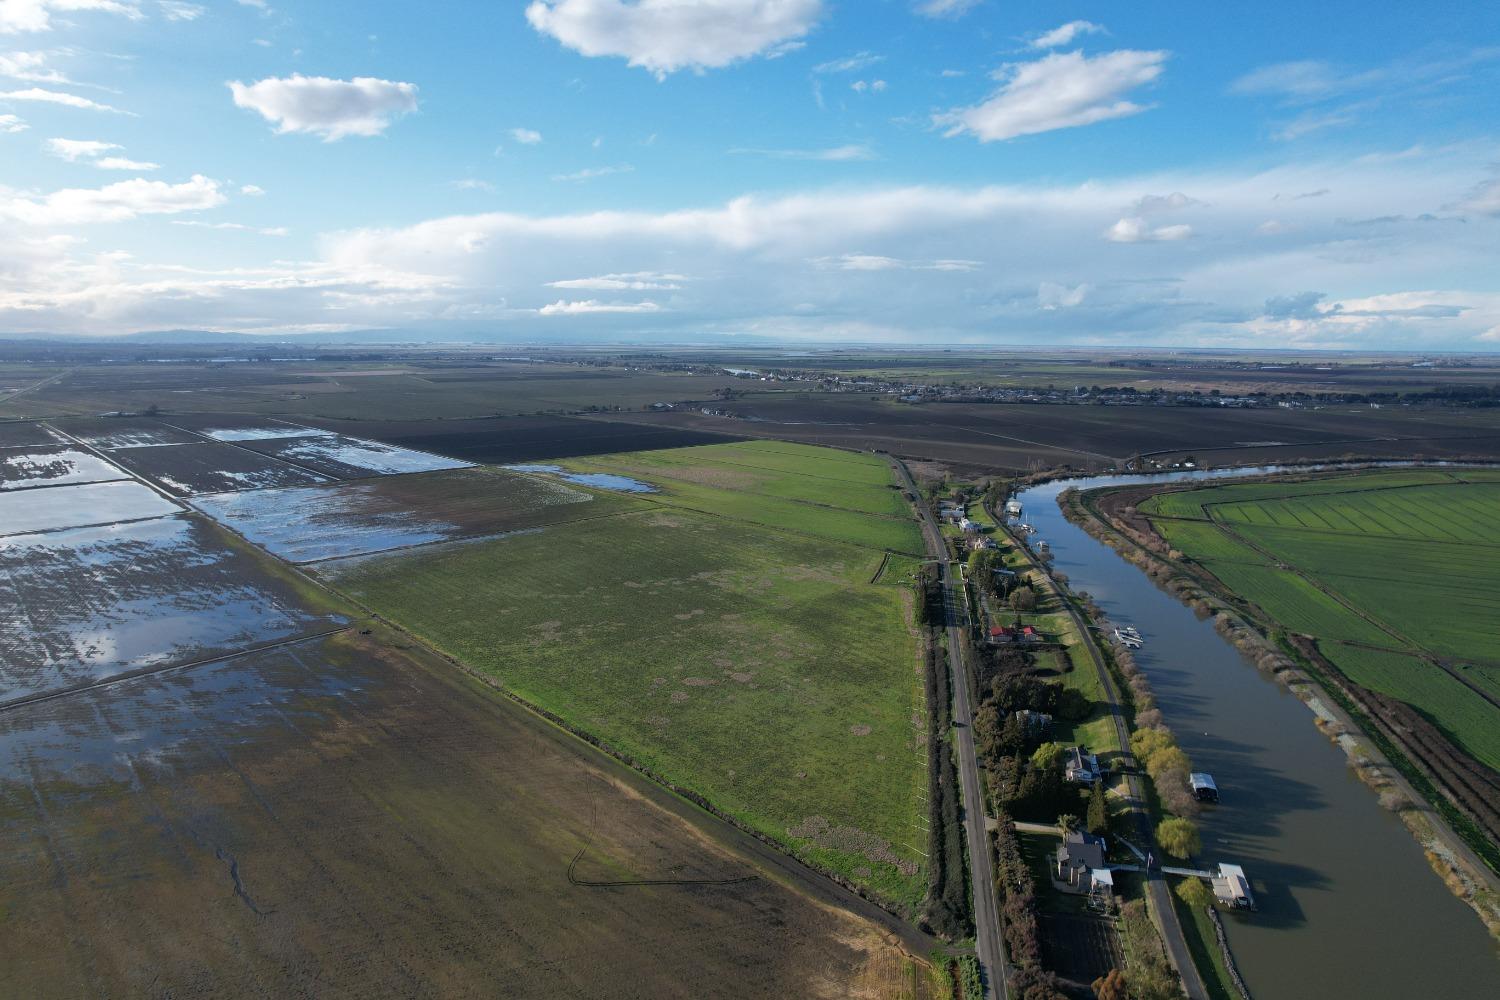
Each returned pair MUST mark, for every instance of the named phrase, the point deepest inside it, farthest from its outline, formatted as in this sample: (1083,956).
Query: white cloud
(30,67)
(634,281)
(849,64)
(1484,199)
(873,86)
(590,306)
(233,227)
(92,151)
(664,36)
(589,173)
(252,191)
(12,124)
(946,8)
(36,15)
(1152,204)
(176,10)
(835,154)
(471,184)
(1051,296)
(125,163)
(333,109)
(113,203)
(1134,229)
(1065,34)
(42,96)
(875,262)
(1301,79)
(1062,90)
(526,136)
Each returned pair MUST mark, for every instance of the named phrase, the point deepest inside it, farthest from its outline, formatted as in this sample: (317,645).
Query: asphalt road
(989,946)
(1159,893)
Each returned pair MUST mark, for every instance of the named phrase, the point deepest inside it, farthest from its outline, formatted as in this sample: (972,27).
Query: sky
(894,172)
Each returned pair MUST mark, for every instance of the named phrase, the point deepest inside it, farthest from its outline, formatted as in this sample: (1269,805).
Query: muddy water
(1348,906)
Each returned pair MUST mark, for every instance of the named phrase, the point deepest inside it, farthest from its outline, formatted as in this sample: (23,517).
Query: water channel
(1348,906)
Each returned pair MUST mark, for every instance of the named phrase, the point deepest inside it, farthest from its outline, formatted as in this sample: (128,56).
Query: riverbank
(1373,751)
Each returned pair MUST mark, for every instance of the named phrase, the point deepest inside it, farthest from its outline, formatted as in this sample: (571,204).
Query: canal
(1348,906)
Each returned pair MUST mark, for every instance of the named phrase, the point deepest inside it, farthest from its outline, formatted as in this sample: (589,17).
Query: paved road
(989,947)
(1159,893)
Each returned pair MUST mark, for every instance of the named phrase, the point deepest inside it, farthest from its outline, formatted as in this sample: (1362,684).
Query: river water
(1348,906)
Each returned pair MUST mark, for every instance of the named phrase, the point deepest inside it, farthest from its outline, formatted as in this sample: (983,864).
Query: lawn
(758,667)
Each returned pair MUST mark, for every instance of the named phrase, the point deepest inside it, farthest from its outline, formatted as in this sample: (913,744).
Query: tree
(1179,837)
(1111,986)
(1097,816)
(1195,893)
(1068,822)
(1023,599)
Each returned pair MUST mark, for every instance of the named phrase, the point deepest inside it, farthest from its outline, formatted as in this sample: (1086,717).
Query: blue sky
(891,171)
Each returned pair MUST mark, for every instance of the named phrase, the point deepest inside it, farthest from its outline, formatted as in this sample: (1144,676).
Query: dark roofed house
(1079,856)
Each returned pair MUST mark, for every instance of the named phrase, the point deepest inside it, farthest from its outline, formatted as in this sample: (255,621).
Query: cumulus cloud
(587,307)
(526,136)
(946,8)
(1065,34)
(1134,229)
(40,95)
(333,109)
(36,15)
(92,151)
(1062,90)
(252,191)
(12,124)
(664,36)
(112,203)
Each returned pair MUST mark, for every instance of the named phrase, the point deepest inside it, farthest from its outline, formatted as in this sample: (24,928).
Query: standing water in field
(599,480)
(1348,906)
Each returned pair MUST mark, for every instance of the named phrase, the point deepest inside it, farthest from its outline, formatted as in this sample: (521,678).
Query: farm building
(1082,767)
(1232,887)
(1204,789)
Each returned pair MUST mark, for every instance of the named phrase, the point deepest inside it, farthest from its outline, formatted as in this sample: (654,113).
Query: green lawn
(758,667)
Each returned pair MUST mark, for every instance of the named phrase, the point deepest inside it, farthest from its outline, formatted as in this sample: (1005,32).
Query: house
(1204,789)
(1232,887)
(1013,508)
(1082,767)
(969,527)
(1034,724)
(1079,857)
(1028,633)
(1001,636)
(980,543)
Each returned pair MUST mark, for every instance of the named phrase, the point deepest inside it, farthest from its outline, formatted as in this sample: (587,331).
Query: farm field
(372,515)
(349,458)
(24,511)
(1397,571)
(27,468)
(81,605)
(215,831)
(816,491)
(758,667)
(186,470)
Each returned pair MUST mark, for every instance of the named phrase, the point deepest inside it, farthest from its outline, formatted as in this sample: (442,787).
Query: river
(1348,906)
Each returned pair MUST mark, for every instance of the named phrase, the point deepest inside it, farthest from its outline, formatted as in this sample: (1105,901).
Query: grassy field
(758,667)
(1407,561)
(817,491)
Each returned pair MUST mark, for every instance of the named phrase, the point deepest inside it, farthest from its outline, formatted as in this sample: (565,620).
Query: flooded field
(210,467)
(599,480)
(375,515)
(24,468)
(351,458)
(341,817)
(24,435)
(110,433)
(23,511)
(80,605)
(238,427)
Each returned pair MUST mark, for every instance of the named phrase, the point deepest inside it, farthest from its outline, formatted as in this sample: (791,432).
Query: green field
(1407,561)
(757,666)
